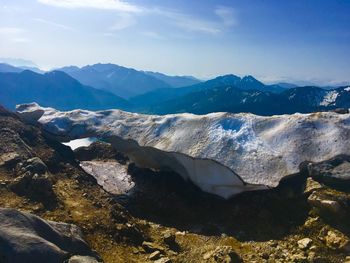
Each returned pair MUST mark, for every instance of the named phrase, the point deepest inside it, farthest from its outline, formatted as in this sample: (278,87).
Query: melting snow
(111,175)
(215,151)
(74,144)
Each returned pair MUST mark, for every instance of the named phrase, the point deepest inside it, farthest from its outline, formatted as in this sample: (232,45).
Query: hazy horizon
(289,42)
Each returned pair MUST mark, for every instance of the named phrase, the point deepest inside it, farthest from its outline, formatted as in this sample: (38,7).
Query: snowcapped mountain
(307,99)
(235,100)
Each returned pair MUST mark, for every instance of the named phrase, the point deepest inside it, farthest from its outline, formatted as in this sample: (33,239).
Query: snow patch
(111,175)
(329,98)
(84,142)
(222,153)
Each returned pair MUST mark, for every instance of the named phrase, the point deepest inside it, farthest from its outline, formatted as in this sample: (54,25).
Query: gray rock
(30,117)
(83,259)
(35,165)
(33,180)
(27,238)
(35,186)
(334,171)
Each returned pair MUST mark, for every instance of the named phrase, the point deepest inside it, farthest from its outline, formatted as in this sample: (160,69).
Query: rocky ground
(164,219)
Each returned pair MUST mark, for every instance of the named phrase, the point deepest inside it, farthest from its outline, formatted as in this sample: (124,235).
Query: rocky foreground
(158,216)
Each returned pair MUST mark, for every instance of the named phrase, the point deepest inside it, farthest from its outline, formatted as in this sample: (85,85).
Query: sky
(273,40)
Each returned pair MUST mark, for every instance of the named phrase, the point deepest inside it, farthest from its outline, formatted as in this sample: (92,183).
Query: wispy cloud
(125,20)
(152,34)
(97,4)
(227,15)
(54,24)
(224,17)
(188,22)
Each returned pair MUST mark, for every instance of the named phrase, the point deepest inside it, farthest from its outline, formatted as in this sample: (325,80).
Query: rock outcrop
(335,171)
(221,153)
(27,238)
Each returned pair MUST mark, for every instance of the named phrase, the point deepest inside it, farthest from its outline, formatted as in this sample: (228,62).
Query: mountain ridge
(54,89)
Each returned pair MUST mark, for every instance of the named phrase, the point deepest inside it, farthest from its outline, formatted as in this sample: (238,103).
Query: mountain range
(157,93)
(160,96)
(4,67)
(54,89)
(231,99)
(124,82)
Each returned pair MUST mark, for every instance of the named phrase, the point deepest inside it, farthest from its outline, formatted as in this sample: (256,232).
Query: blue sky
(273,40)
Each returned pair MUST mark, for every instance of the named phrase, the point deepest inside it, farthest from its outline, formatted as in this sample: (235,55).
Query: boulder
(311,185)
(33,180)
(27,238)
(323,203)
(30,116)
(35,165)
(335,171)
(304,243)
(336,240)
(12,148)
(83,259)
(222,254)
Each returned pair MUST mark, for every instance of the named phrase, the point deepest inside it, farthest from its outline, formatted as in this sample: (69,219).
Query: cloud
(226,18)
(54,24)
(195,24)
(188,22)
(96,4)
(152,34)
(227,15)
(125,21)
